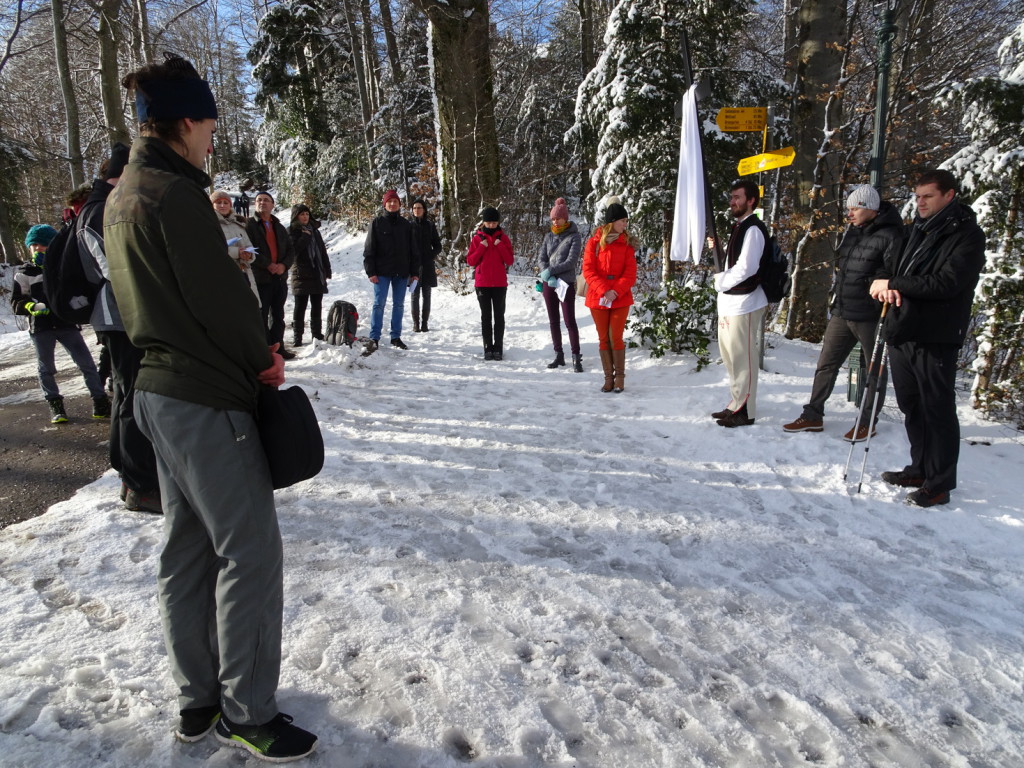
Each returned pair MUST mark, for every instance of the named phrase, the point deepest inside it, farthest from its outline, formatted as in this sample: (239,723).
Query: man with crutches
(875,235)
(930,288)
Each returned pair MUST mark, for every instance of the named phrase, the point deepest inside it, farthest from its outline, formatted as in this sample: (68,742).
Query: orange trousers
(610,324)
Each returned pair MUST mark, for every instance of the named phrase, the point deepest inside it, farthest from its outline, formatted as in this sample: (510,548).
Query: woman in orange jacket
(609,266)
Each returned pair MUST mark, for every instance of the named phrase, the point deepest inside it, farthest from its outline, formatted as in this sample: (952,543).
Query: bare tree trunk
(817,38)
(143,39)
(73,143)
(588,59)
(110,79)
(8,243)
(370,61)
(364,92)
(389,36)
(469,169)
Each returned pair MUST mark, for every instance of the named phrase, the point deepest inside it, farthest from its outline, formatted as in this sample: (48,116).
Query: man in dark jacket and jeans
(391,259)
(874,235)
(931,289)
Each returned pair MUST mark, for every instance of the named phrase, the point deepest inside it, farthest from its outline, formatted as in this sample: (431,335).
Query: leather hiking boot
(57,413)
(736,419)
(285,353)
(371,347)
(609,370)
(804,425)
(143,502)
(721,414)
(577,363)
(619,362)
(397,342)
(922,497)
(862,434)
(101,407)
(558,361)
(903,479)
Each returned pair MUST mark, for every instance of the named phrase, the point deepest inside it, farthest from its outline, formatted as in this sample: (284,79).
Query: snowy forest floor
(501,566)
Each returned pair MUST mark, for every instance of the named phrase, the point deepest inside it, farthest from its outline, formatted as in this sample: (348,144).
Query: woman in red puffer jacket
(490,254)
(609,266)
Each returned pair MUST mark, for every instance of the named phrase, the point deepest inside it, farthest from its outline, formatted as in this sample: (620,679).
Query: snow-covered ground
(500,565)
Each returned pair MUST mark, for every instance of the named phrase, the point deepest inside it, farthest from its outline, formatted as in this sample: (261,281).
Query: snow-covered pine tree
(991,169)
(626,105)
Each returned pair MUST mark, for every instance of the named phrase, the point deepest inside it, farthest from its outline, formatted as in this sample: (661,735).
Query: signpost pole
(716,249)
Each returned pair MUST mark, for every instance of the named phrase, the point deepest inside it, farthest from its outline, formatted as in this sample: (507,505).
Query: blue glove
(37,308)
(553,282)
(545,274)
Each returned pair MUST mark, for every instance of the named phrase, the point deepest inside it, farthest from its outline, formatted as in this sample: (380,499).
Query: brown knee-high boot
(609,370)
(619,361)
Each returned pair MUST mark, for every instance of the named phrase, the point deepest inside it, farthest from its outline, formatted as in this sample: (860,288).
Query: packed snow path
(502,566)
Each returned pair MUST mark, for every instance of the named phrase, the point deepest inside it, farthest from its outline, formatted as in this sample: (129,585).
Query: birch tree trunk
(73,141)
(817,37)
(469,167)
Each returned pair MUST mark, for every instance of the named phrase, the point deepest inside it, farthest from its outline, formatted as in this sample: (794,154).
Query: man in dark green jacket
(189,308)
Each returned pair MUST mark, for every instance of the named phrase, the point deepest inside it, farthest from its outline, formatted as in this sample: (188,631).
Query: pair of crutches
(879,352)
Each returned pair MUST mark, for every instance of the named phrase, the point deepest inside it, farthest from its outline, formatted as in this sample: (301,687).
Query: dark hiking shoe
(862,434)
(276,742)
(903,479)
(736,419)
(101,407)
(721,414)
(577,363)
(371,347)
(804,425)
(285,353)
(922,497)
(559,360)
(57,413)
(195,723)
(488,353)
(497,353)
(297,342)
(136,501)
(396,342)
(318,336)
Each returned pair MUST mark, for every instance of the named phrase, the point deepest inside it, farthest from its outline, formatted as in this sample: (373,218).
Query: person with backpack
(131,452)
(47,329)
(741,306)
(310,273)
(490,255)
(874,236)
(559,259)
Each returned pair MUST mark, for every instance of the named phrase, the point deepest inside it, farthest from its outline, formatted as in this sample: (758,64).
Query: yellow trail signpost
(737,119)
(775,158)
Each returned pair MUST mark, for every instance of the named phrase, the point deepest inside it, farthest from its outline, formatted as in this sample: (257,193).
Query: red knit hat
(561,210)
(390,195)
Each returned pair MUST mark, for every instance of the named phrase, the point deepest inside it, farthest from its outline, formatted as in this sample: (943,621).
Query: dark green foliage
(678,318)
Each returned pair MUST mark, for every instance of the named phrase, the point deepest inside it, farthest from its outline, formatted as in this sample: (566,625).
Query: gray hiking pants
(219,581)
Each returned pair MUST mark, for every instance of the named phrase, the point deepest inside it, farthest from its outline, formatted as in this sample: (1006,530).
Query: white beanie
(864,196)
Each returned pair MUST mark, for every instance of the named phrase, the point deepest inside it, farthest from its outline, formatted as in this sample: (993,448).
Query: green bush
(678,318)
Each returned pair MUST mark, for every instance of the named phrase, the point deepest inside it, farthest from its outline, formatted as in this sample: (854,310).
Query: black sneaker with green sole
(195,723)
(276,742)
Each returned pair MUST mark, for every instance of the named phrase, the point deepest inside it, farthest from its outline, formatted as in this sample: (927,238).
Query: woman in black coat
(429,243)
(310,273)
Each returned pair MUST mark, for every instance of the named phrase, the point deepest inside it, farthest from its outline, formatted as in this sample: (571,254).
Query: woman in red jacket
(490,253)
(609,266)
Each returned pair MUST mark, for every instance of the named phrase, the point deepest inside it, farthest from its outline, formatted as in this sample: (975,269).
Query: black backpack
(342,322)
(69,294)
(773,272)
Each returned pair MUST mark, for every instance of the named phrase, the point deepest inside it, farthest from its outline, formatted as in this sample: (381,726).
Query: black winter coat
(258,237)
(863,253)
(390,249)
(429,244)
(936,274)
(312,267)
(28,289)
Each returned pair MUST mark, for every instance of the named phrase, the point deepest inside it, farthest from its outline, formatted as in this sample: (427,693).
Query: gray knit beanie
(864,196)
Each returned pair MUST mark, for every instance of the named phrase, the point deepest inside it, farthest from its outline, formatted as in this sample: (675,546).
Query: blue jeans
(380,298)
(71,339)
